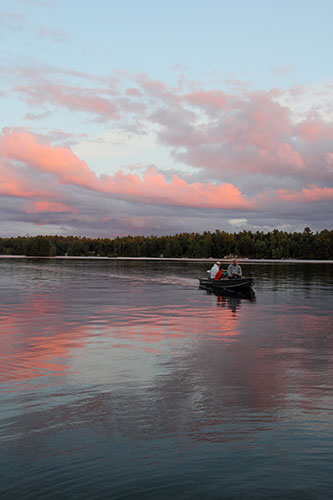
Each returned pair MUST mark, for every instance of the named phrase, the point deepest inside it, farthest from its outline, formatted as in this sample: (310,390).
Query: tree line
(272,245)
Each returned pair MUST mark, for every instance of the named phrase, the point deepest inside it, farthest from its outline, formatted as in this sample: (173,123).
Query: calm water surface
(125,380)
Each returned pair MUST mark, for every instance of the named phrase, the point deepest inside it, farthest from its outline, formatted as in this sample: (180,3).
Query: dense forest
(218,244)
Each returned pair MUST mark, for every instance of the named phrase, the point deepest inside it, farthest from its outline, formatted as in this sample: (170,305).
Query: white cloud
(237,222)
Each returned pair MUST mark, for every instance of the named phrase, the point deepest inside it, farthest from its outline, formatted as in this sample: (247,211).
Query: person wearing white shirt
(212,272)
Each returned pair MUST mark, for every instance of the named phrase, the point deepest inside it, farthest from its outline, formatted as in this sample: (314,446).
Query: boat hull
(227,284)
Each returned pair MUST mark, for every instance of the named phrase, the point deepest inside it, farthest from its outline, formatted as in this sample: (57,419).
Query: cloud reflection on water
(93,360)
(42,335)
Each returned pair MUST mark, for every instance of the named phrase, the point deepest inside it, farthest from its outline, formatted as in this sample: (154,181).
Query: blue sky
(243,39)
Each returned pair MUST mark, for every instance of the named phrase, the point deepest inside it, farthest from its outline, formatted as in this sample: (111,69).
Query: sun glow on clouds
(47,206)
(183,147)
(310,194)
(152,188)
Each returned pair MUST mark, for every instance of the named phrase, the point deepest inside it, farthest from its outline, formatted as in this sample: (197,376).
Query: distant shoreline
(172,259)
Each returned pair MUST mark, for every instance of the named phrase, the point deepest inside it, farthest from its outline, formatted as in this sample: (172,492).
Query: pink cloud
(133,92)
(10,187)
(152,188)
(258,122)
(24,147)
(15,183)
(253,133)
(314,129)
(307,194)
(211,98)
(73,98)
(104,102)
(289,157)
(47,206)
(237,144)
(245,131)
(154,87)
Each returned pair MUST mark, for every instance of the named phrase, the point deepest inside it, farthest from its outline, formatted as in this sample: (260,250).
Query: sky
(146,117)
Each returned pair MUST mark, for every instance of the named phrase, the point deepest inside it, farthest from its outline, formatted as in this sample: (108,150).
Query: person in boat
(214,269)
(220,273)
(234,270)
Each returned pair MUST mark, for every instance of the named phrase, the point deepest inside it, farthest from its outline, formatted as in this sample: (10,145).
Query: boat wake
(164,280)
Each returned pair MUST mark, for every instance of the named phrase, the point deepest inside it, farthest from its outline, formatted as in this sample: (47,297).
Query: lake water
(124,380)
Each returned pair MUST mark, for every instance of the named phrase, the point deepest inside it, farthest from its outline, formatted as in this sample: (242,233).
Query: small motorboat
(227,284)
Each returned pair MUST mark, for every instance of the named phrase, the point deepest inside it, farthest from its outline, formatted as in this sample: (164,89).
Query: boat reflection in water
(231,298)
